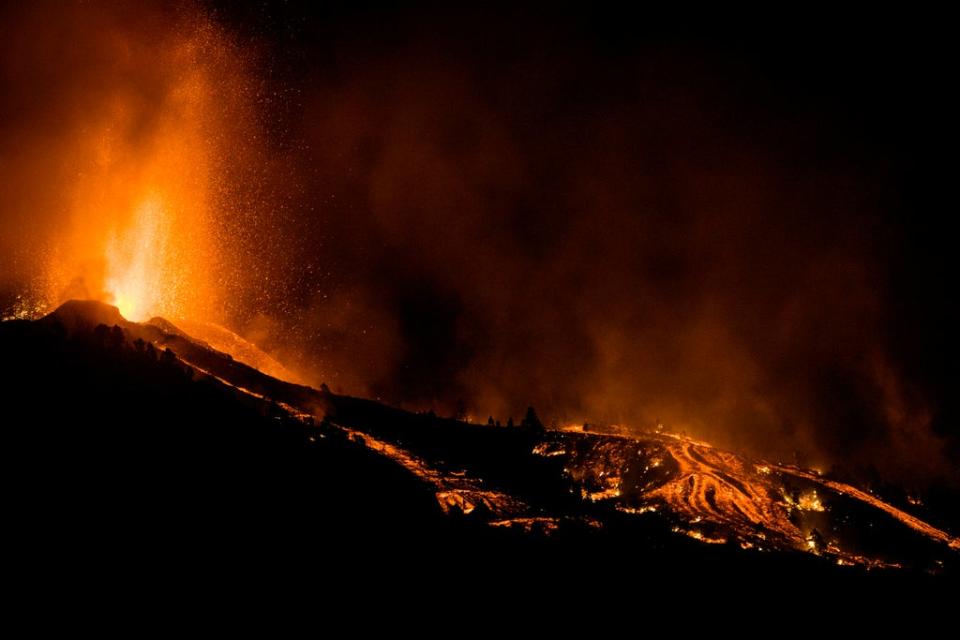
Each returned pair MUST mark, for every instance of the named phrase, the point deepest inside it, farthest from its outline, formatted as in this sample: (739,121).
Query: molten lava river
(719,497)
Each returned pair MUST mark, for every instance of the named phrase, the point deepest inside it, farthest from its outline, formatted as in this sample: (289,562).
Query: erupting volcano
(327,282)
(138,278)
(145,128)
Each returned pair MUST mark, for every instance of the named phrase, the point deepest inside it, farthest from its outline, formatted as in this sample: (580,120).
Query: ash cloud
(536,216)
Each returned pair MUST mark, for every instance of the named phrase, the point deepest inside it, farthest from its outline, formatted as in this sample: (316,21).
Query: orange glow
(810,502)
(144,209)
(728,497)
(136,271)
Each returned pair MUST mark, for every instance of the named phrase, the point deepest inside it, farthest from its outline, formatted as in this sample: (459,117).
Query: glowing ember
(605,494)
(810,502)
(696,535)
(24,308)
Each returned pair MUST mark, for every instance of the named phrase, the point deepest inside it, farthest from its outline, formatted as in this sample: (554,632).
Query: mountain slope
(136,440)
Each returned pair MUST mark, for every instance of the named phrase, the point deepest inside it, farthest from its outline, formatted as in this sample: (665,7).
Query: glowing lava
(137,276)
(716,495)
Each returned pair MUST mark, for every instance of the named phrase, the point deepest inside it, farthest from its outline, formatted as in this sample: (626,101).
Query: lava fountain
(147,200)
(137,178)
(135,262)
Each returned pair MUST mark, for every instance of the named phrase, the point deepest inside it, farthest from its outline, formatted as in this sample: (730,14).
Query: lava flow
(716,496)
(536,482)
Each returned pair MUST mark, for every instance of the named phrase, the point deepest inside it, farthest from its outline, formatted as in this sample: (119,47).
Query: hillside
(135,447)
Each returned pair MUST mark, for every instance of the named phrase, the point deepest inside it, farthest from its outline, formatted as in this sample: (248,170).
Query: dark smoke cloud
(612,231)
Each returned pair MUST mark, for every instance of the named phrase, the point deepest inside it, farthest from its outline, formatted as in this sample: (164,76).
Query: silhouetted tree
(151,352)
(490,422)
(530,421)
(168,356)
(139,345)
(101,334)
(116,339)
(510,422)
